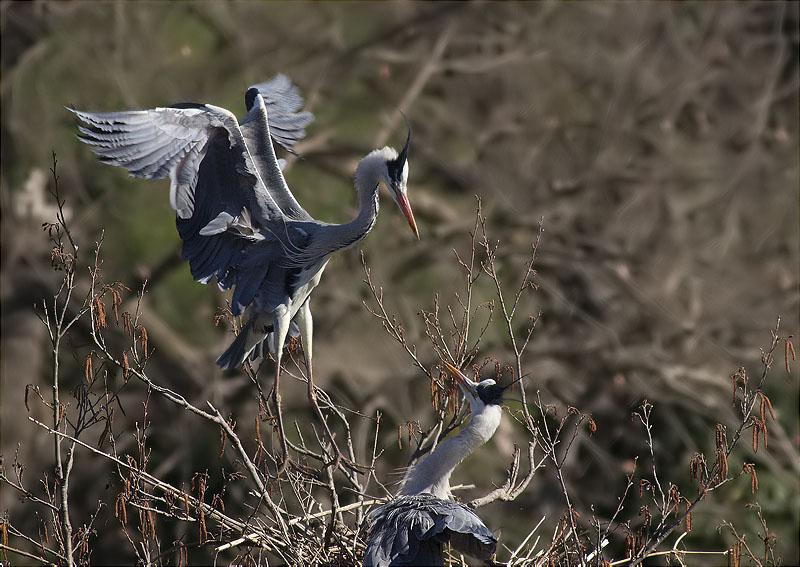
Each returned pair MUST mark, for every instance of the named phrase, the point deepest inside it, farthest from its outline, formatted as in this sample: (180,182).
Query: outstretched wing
(226,217)
(258,131)
(174,141)
(154,144)
(227,186)
(283,101)
(411,530)
(272,115)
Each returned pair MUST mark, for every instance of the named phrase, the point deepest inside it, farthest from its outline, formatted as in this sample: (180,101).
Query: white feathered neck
(369,173)
(432,475)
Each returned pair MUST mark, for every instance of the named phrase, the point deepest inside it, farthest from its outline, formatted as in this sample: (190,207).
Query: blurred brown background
(658,141)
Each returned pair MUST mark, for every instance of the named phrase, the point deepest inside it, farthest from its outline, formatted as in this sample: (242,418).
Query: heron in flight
(238,220)
(412,528)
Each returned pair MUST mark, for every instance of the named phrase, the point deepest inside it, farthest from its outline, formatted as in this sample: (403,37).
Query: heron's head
(478,394)
(395,176)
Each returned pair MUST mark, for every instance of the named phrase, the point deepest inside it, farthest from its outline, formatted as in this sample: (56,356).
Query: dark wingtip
(250,97)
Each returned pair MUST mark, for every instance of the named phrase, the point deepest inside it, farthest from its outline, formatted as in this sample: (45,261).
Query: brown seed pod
(89,371)
(100,313)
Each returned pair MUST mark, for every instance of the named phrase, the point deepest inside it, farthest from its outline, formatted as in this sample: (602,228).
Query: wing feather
(411,530)
(283,101)
(154,144)
(257,129)
(219,171)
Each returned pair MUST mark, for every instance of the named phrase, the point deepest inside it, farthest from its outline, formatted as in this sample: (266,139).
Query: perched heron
(412,528)
(236,215)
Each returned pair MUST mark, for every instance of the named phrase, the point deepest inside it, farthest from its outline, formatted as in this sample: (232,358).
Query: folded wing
(411,530)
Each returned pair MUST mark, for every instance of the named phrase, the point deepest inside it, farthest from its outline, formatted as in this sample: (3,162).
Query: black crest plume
(493,393)
(396,165)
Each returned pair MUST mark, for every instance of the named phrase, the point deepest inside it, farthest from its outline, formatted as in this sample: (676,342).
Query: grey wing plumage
(412,530)
(153,144)
(216,187)
(258,129)
(227,187)
(234,233)
(283,100)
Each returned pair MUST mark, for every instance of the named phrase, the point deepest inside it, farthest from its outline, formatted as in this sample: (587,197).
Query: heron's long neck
(433,474)
(366,182)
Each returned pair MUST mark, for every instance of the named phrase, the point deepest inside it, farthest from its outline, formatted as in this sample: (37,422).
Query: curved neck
(368,205)
(366,183)
(433,474)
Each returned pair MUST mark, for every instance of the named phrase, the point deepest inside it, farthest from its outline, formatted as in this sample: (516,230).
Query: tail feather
(253,343)
(267,346)
(247,339)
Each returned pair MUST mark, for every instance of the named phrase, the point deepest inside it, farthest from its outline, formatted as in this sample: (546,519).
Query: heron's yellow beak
(402,202)
(463,381)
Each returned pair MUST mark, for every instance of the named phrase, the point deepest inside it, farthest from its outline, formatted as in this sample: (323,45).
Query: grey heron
(412,528)
(238,220)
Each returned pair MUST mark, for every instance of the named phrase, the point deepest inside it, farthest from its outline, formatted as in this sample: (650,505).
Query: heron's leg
(306,324)
(281,328)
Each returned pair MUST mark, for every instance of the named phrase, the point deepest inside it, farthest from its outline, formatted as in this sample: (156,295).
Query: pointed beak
(467,386)
(402,201)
